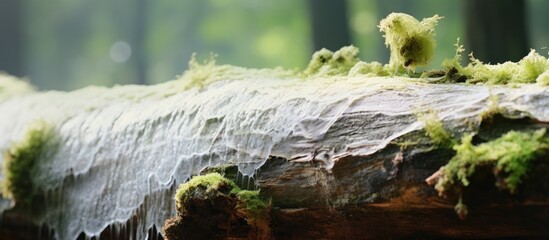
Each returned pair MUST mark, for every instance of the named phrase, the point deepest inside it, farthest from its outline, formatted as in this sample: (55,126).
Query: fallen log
(344,149)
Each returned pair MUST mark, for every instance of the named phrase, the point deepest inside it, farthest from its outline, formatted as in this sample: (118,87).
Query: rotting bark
(386,196)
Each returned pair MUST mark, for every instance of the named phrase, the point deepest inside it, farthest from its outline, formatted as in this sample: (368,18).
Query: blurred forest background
(69,44)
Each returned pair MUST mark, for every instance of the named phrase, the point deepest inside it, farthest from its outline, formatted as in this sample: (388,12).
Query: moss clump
(249,202)
(411,42)
(325,63)
(510,155)
(435,129)
(19,163)
(252,205)
(209,184)
(212,202)
(530,69)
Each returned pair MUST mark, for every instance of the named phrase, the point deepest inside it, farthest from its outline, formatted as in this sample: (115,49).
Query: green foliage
(511,155)
(19,162)
(411,42)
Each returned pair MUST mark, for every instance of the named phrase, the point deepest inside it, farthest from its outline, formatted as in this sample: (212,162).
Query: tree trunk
(140,24)
(11,40)
(496,30)
(329,22)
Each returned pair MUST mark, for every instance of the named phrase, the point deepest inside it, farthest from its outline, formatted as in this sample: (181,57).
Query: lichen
(435,129)
(19,162)
(411,42)
(510,155)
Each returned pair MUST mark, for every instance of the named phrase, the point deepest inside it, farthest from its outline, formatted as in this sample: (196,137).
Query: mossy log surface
(345,157)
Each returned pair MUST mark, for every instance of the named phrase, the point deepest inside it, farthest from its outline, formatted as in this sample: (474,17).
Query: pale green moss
(11,86)
(325,63)
(527,70)
(543,79)
(511,155)
(435,129)
(203,74)
(19,162)
(411,42)
(455,62)
(370,69)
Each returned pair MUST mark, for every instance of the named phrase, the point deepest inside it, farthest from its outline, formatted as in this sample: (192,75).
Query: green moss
(527,70)
(435,129)
(249,203)
(510,155)
(252,204)
(411,42)
(19,162)
(209,182)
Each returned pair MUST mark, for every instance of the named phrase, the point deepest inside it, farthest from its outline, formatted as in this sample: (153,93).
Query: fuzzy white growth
(121,151)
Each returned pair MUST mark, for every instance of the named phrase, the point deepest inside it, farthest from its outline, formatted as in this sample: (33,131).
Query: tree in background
(496,30)
(329,24)
(11,38)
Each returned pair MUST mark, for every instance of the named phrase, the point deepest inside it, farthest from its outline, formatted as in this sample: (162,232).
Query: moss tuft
(411,42)
(252,205)
(527,70)
(208,183)
(19,162)
(435,129)
(510,155)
